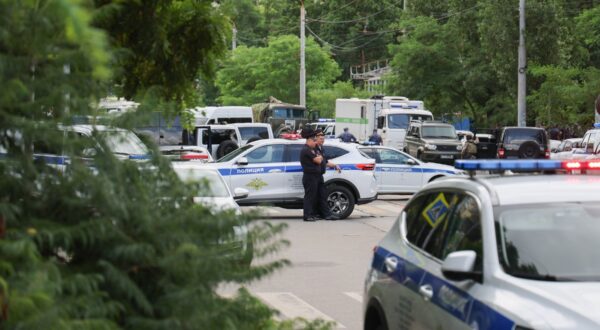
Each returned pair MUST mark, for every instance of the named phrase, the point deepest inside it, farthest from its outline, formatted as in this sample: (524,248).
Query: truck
(390,115)
(222,115)
(283,117)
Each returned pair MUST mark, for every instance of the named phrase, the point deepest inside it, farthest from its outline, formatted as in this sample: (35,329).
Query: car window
(332,152)
(464,230)
(515,135)
(266,154)
(234,153)
(388,156)
(426,213)
(293,152)
(250,132)
(441,132)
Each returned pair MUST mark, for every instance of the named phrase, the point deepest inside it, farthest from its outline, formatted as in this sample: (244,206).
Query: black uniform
(323,206)
(310,181)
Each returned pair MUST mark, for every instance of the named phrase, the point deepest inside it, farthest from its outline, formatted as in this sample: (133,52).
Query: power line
(352,20)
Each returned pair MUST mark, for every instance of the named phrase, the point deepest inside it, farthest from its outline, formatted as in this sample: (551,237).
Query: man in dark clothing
(347,136)
(323,206)
(311,169)
(375,138)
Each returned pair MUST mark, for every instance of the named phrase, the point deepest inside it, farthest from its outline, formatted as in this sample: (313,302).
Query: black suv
(523,142)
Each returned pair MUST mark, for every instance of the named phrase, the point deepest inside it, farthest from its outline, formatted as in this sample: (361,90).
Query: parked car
(523,142)
(214,194)
(565,149)
(502,252)
(271,171)
(486,145)
(432,141)
(398,172)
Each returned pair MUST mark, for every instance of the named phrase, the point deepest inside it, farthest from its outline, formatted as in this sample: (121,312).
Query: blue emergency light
(326,120)
(596,125)
(139,157)
(525,165)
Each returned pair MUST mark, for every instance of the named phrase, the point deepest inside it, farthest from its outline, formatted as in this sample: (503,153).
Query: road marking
(291,306)
(355,295)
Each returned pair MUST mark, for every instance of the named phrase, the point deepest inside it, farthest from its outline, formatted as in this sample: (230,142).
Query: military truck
(283,117)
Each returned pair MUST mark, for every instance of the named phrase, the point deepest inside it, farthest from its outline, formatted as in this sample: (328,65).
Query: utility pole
(234,38)
(405,5)
(302,64)
(522,81)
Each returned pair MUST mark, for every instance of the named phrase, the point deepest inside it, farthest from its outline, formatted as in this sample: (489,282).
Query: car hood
(217,204)
(566,304)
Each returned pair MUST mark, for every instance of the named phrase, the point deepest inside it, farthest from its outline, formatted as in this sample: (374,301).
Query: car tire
(340,200)
(254,138)
(226,147)
(529,149)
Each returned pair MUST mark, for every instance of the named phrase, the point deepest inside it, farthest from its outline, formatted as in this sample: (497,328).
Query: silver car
(503,252)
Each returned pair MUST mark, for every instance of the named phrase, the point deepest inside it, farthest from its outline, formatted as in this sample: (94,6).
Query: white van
(222,115)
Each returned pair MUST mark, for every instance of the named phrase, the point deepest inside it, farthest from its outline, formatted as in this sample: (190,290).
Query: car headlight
(459,147)
(430,146)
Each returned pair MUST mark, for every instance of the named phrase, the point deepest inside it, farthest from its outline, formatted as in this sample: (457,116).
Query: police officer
(323,207)
(311,169)
(375,138)
(347,136)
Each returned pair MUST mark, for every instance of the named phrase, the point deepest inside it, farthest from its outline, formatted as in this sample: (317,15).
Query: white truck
(222,115)
(390,115)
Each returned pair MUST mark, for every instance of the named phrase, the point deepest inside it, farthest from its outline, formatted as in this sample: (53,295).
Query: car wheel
(226,147)
(340,200)
(529,149)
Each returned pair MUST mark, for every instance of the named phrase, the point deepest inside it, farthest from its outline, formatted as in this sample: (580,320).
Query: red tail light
(193,156)
(547,154)
(366,167)
(500,153)
(290,136)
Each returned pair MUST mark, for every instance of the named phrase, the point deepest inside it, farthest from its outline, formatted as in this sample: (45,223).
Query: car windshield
(124,143)
(283,113)
(401,120)
(210,183)
(521,134)
(234,154)
(550,242)
(440,132)
(250,132)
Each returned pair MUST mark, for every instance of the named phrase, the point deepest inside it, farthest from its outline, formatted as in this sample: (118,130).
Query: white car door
(264,175)
(396,174)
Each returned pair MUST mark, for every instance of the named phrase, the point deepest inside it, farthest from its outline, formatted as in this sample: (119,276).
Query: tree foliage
(252,74)
(119,244)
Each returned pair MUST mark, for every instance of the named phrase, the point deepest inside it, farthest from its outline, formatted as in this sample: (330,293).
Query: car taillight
(366,167)
(193,156)
(500,152)
(547,153)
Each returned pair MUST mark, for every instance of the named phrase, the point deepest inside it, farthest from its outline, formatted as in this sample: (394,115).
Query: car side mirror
(411,162)
(242,161)
(460,265)
(239,193)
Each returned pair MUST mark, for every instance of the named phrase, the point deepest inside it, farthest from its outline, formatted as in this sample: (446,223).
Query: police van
(271,171)
(496,252)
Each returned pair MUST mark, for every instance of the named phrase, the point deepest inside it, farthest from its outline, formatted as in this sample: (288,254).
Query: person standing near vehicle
(310,161)
(375,138)
(347,136)
(469,149)
(323,206)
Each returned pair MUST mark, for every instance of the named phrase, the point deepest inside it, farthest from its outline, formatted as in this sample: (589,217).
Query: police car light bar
(526,165)
(596,125)
(193,156)
(326,120)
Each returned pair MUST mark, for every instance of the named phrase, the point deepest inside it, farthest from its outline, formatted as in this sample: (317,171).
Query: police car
(270,170)
(497,252)
(398,172)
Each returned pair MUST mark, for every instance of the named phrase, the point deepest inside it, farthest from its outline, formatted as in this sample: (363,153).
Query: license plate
(483,148)
(446,156)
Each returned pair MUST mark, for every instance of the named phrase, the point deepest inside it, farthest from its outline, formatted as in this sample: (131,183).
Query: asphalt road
(329,263)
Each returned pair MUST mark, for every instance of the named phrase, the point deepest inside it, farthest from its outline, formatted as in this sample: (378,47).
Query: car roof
(527,189)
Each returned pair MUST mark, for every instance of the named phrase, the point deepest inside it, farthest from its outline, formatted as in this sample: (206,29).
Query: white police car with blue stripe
(398,172)
(496,252)
(270,169)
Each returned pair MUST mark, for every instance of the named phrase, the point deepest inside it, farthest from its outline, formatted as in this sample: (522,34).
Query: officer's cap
(308,132)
